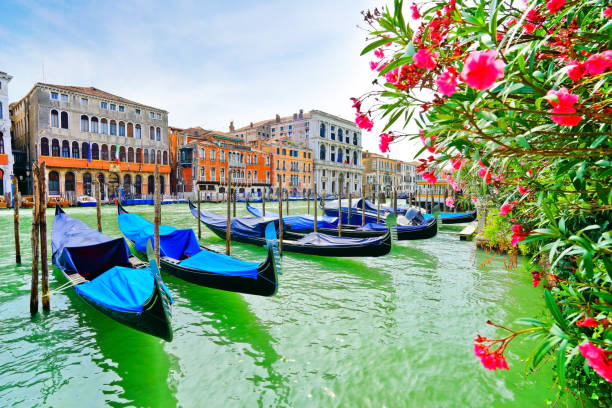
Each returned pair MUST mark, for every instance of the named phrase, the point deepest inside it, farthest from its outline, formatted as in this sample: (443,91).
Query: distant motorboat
(86,201)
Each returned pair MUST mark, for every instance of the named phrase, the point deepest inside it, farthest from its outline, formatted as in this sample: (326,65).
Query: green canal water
(394,331)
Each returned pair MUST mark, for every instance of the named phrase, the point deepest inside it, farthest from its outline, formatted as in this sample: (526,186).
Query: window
(355,138)
(95,152)
(113,107)
(87,184)
(151,132)
(212,155)
(54,183)
(121,108)
(85,151)
(130,130)
(103,126)
(113,128)
(75,150)
(84,123)
(152,156)
(284,152)
(104,152)
(44,146)
(64,98)
(281,128)
(103,105)
(290,127)
(152,115)
(94,124)
(322,131)
(121,129)
(122,156)
(137,132)
(54,118)
(165,158)
(322,152)
(222,172)
(55,148)
(222,156)
(340,135)
(355,158)
(159,116)
(202,154)
(138,155)
(113,152)
(202,173)
(69,181)
(158,134)
(278,165)
(54,95)
(137,111)
(64,120)
(84,101)
(145,156)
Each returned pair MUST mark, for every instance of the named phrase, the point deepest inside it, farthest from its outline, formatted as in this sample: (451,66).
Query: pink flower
(607,12)
(555,5)
(447,81)
(450,202)
(599,359)
(481,69)
(429,177)
(453,183)
(485,174)
(356,104)
(474,199)
(457,163)
(596,64)
(373,65)
(529,28)
(505,209)
(379,53)
(537,278)
(424,59)
(588,322)
(415,12)
(564,104)
(490,359)
(576,70)
(363,121)
(522,190)
(385,139)
(518,234)
(431,147)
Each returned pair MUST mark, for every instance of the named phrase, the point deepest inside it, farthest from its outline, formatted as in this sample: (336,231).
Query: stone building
(380,174)
(6,154)
(84,132)
(334,141)
(204,158)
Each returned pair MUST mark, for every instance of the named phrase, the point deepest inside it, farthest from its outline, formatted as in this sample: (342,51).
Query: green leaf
(373,45)
(554,309)
(561,362)
(522,141)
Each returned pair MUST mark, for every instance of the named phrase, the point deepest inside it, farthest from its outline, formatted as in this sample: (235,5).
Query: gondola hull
(459,219)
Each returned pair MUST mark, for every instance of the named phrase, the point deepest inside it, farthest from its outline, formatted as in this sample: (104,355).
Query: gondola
(457,218)
(304,224)
(249,230)
(106,276)
(183,257)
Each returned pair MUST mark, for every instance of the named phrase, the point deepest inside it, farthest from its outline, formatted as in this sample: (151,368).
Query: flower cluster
(563,102)
(491,359)
(599,359)
(519,233)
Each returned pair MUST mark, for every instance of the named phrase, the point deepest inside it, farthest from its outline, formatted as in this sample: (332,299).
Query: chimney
(277,118)
(295,116)
(232,126)
(301,114)
(251,125)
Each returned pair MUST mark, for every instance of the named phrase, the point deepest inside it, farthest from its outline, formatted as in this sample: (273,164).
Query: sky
(206,62)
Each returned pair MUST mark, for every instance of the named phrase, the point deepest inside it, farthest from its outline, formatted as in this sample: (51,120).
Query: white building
(6,155)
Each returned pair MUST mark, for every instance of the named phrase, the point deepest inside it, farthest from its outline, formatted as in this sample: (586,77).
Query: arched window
(104,126)
(66,149)
(95,152)
(339,155)
(150,185)
(355,138)
(75,150)
(85,150)
(152,133)
(104,152)
(138,155)
(94,124)
(113,150)
(339,134)
(322,131)
(69,181)
(127,183)
(44,146)
(158,134)
(146,156)
(137,132)
(113,128)
(158,157)
(138,184)
(152,156)
(130,130)
(122,157)
(55,148)
(84,123)
(54,118)
(101,180)
(284,152)
(322,153)
(130,157)
(121,129)
(64,120)
(54,183)
(162,186)
(355,158)
(165,157)
(87,184)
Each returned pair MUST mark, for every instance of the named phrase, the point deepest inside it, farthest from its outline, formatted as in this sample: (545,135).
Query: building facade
(292,165)
(335,144)
(6,154)
(205,157)
(380,174)
(83,133)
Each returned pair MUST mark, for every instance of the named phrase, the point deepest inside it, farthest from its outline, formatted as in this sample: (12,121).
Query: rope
(69,284)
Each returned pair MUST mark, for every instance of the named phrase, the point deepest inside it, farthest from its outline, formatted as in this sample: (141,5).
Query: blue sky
(206,62)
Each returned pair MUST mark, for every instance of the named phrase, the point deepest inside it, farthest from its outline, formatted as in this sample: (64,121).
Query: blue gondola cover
(119,288)
(251,227)
(174,243)
(221,264)
(296,222)
(74,244)
(318,239)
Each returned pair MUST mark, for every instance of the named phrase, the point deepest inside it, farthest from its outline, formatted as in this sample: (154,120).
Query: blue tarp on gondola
(252,227)
(221,264)
(297,222)
(75,244)
(318,239)
(174,243)
(120,288)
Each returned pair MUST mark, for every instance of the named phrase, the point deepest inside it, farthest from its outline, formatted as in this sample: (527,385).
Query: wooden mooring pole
(98,203)
(42,227)
(34,242)
(199,223)
(350,209)
(157,216)
(308,201)
(280,220)
(363,210)
(316,204)
(263,202)
(17,202)
(378,208)
(228,227)
(287,202)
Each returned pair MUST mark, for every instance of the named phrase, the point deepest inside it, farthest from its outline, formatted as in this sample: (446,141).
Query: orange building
(292,165)
(204,157)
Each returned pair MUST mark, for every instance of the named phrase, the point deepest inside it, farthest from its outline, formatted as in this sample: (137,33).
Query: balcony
(235,163)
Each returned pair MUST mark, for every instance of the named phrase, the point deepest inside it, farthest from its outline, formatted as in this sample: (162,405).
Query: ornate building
(6,155)
(84,132)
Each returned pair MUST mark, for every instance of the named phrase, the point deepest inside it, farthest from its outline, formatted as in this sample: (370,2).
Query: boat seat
(136,263)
